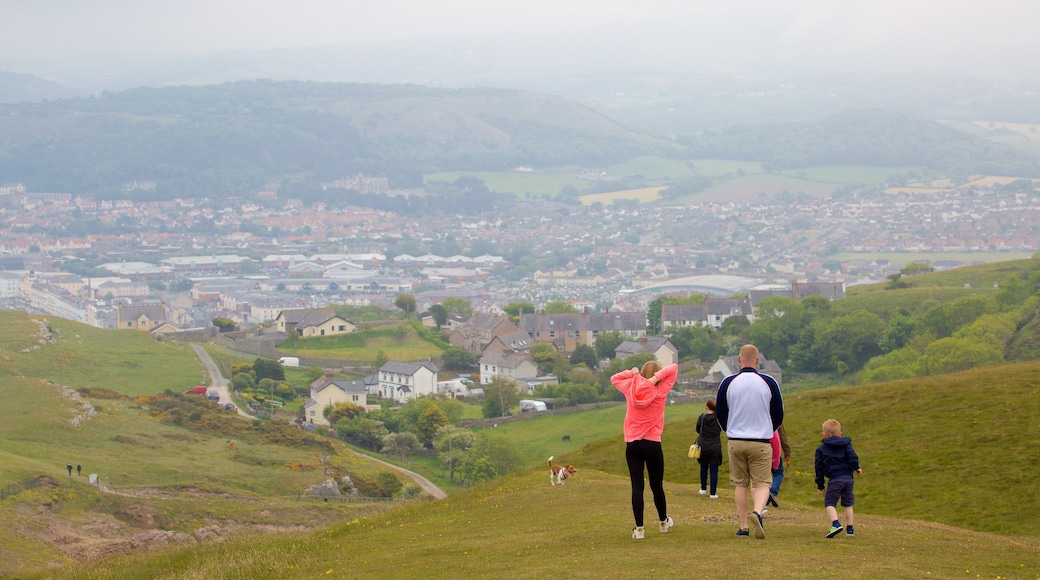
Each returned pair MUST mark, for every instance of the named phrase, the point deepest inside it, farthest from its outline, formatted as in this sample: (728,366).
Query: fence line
(15,488)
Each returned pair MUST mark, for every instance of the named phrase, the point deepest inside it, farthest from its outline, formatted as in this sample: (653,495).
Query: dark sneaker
(849,531)
(756,522)
(772,500)
(834,531)
(742,533)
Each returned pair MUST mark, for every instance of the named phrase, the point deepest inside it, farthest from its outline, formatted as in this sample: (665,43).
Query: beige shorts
(750,461)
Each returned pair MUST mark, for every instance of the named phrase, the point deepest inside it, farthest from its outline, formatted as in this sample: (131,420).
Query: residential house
(728,365)
(680,315)
(719,309)
(568,330)
(405,381)
(662,349)
(309,322)
(327,391)
(519,342)
(140,317)
(513,367)
(476,332)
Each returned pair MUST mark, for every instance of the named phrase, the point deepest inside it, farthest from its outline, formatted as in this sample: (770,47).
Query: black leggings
(649,453)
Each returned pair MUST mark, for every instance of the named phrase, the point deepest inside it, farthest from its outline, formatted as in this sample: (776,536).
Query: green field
(745,179)
(904,258)
(364,345)
(925,505)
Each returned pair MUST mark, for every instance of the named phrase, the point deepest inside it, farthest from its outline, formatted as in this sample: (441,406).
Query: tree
(440,315)
(585,355)
(560,307)
(458,306)
(370,433)
(500,395)
(224,324)
(380,360)
(400,444)
(778,323)
(429,422)
(341,411)
(405,302)
(458,359)
(607,342)
(916,268)
(948,355)
(515,309)
(266,368)
(853,338)
(1011,293)
(452,443)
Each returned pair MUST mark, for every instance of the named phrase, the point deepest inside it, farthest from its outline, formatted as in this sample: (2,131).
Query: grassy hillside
(131,363)
(948,486)
(948,489)
(176,464)
(935,448)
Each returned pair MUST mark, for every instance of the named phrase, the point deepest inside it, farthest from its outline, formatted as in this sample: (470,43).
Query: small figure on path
(69,467)
(79,469)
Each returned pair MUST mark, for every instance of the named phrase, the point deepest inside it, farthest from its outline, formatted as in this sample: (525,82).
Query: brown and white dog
(557,473)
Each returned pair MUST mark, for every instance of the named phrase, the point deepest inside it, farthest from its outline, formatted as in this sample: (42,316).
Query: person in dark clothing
(711,448)
(79,469)
(836,461)
(778,472)
(69,467)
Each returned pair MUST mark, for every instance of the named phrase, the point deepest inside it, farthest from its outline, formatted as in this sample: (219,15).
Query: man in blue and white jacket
(750,409)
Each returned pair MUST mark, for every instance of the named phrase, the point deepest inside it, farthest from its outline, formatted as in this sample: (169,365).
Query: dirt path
(219,383)
(424,483)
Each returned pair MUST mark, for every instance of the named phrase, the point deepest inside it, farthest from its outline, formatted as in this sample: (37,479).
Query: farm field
(644,195)
(904,258)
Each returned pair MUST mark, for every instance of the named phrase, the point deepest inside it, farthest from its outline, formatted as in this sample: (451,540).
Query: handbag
(695,449)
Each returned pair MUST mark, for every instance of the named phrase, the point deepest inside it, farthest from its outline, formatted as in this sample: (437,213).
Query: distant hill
(866,137)
(233,138)
(21,88)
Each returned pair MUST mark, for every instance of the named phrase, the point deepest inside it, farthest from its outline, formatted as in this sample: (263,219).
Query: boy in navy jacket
(836,461)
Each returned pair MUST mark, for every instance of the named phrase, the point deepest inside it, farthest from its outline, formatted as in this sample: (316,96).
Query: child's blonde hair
(831,428)
(649,369)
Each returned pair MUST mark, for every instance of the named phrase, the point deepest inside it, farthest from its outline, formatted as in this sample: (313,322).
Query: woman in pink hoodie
(646,392)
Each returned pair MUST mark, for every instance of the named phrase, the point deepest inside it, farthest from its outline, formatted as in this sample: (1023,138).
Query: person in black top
(711,448)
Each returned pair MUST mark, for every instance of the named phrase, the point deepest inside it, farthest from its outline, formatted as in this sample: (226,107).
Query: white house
(514,367)
(405,381)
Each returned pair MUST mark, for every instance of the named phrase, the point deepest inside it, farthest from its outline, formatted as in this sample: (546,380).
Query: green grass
(543,182)
(904,258)
(542,436)
(851,174)
(126,361)
(939,448)
(948,490)
(364,346)
(521,527)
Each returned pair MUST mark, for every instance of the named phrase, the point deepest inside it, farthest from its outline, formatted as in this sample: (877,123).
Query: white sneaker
(637,533)
(714,497)
(704,492)
(666,524)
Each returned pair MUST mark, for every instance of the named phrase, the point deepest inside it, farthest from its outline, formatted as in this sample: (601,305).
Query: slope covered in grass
(943,448)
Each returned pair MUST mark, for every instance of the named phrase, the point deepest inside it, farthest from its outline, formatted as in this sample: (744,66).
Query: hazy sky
(44,34)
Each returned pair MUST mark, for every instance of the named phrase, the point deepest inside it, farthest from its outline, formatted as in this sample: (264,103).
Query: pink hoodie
(644,418)
(775,444)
